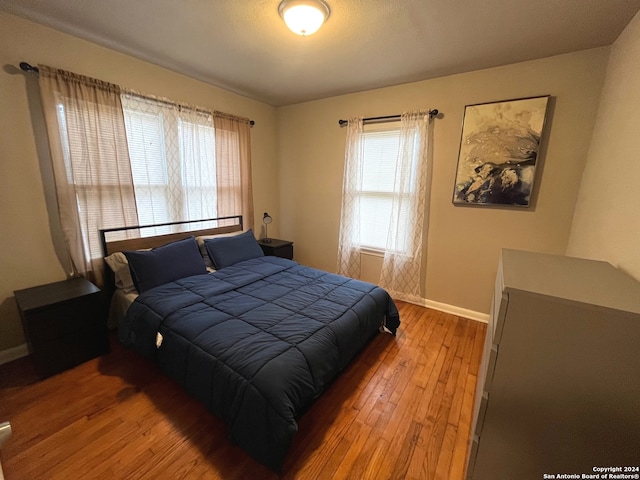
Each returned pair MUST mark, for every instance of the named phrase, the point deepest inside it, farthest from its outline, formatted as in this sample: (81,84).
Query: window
(172,153)
(173,161)
(377,189)
(122,159)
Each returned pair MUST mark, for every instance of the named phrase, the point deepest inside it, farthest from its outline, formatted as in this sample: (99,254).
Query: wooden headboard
(225,225)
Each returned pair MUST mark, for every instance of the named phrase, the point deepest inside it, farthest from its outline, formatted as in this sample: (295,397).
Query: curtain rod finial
(28,68)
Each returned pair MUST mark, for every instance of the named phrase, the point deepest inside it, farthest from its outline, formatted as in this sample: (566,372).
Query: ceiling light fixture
(304,17)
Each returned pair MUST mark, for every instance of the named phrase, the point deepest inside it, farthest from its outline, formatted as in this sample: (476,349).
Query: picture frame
(499,152)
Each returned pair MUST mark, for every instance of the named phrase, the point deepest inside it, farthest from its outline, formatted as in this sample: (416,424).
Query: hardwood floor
(401,410)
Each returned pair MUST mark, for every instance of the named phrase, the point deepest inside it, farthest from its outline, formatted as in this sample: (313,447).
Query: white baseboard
(458,311)
(11,354)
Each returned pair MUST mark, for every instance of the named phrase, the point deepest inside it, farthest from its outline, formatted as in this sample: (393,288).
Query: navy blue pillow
(165,264)
(226,251)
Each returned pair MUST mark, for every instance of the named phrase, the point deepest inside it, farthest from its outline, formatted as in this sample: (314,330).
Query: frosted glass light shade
(304,17)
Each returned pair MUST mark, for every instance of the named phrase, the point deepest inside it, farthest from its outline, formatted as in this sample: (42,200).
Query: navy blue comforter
(257,342)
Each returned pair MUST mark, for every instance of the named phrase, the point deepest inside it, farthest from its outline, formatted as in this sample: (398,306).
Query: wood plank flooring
(402,409)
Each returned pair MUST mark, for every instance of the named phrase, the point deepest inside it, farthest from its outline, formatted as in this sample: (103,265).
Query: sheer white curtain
(169,149)
(402,264)
(188,163)
(349,243)
(91,166)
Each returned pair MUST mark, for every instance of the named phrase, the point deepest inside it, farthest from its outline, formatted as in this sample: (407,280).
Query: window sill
(372,252)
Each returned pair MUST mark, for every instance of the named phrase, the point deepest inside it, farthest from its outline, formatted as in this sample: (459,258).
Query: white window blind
(381,145)
(148,166)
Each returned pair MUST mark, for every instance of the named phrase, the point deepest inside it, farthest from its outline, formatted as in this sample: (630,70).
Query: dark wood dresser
(64,324)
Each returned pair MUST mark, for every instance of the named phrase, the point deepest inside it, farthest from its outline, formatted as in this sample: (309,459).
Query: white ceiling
(244,46)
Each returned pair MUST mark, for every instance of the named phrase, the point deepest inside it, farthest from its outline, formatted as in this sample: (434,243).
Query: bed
(257,339)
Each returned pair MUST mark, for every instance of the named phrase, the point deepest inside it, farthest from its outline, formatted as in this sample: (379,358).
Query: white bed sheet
(120,303)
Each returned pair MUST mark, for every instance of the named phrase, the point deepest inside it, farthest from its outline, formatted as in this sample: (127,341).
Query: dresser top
(587,281)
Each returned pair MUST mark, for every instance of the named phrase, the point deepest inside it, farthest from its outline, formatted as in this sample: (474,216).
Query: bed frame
(232,224)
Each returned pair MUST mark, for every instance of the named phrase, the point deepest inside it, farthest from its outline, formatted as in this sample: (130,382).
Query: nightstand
(64,324)
(277,248)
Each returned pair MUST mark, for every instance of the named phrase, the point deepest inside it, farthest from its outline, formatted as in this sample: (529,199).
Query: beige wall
(27,254)
(298,159)
(464,242)
(606,225)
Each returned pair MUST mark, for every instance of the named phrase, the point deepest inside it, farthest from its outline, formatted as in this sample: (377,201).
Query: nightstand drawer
(64,319)
(66,352)
(285,251)
(277,248)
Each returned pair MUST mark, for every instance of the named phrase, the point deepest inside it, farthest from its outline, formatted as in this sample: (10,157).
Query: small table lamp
(266,219)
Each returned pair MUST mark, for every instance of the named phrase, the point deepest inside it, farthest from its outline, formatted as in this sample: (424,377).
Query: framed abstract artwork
(499,151)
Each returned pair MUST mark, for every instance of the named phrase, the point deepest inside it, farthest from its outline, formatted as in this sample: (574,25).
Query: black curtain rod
(31,69)
(391,118)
